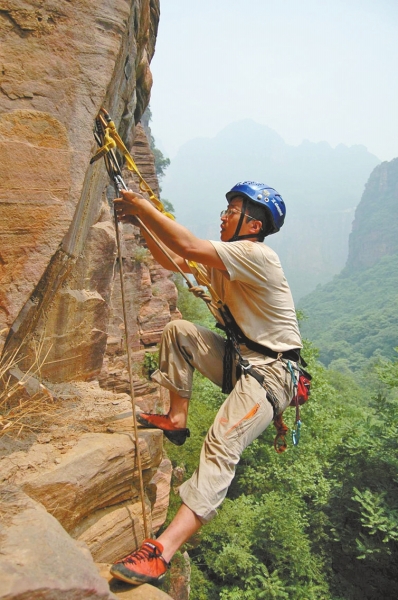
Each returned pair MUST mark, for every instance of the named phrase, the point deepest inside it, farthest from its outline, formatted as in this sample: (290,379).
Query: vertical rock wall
(374,231)
(59,289)
(60,63)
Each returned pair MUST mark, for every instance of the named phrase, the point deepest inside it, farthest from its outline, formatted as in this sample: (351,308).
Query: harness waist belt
(234,331)
(293,354)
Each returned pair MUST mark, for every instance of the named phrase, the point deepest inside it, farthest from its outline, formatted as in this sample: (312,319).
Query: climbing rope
(114,173)
(108,140)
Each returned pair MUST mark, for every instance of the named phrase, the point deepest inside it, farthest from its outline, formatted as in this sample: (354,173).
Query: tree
(161,162)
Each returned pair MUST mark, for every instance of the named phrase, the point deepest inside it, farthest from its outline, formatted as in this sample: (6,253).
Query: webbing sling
(108,139)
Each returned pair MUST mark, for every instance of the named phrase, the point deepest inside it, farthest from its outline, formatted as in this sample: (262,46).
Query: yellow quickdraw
(113,140)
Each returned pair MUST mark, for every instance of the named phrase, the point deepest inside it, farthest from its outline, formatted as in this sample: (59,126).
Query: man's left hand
(128,206)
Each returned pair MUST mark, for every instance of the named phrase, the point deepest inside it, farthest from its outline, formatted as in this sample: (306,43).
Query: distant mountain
(355,316)
(320,185)
(375,228)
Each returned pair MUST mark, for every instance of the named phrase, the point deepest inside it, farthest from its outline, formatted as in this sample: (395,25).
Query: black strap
(246,367)
(228,362)
(234,331)
(293,354)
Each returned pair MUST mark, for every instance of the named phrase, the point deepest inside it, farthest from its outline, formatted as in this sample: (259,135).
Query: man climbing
(247,276)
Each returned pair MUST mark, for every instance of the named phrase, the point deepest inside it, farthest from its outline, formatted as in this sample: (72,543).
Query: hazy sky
(309,69)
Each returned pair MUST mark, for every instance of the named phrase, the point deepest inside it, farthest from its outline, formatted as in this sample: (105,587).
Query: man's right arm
(162,258)
(178,239)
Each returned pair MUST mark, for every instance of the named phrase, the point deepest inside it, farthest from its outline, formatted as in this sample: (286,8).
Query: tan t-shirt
(257,294)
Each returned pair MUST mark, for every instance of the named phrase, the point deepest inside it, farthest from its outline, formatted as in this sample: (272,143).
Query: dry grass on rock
(26,405)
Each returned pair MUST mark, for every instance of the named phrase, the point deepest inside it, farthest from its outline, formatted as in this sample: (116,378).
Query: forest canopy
(318,522)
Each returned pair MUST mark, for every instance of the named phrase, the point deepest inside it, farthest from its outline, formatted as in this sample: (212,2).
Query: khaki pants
(244,415)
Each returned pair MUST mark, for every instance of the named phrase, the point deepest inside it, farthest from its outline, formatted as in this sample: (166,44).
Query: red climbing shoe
(176,435)
(145,565)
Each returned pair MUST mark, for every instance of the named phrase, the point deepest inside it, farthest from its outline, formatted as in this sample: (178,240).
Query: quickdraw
(109,140)
(295,432)
(301,393)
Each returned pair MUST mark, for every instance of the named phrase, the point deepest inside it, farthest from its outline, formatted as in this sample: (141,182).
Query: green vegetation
(150,363)
(319,522)
(355,316)
(141,255)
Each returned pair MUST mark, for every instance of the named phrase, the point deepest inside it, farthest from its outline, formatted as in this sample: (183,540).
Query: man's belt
(293,354)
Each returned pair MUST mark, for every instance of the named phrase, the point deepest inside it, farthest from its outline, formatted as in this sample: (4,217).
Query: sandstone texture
(90,481)
(60,63)
(127,592)
(38,558)
(73,460)
(97,472)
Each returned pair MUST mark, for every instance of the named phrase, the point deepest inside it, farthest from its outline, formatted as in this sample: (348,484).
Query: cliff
(375,227)
(66,424)
(354,317)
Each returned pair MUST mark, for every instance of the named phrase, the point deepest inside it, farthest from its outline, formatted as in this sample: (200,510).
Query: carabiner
(296,433)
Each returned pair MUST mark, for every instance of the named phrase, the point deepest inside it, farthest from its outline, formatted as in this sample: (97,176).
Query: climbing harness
(301,386)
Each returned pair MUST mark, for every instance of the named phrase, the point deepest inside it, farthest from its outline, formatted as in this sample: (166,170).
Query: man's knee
(178,327)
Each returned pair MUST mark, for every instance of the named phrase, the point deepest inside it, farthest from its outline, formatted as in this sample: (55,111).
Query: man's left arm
(175,236)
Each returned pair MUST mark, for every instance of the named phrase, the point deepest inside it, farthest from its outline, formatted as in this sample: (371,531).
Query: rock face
(97,472)
(60,304)
(375,227)
(50,565)
(56,77)
(90,481)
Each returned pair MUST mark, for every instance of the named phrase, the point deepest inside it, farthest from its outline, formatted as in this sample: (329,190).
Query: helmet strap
(236,235)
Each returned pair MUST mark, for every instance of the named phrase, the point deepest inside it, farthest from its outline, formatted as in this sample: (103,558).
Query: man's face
(230,221)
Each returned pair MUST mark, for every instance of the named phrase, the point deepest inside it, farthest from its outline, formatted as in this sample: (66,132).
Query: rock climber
(248,277)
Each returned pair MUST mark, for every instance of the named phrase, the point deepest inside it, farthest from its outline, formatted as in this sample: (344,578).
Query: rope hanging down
(114,173)
(108,141)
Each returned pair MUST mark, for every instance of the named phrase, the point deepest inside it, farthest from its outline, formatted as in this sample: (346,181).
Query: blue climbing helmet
(262,194)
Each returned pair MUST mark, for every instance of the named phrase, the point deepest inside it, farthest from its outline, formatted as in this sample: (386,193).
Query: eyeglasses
(233,211)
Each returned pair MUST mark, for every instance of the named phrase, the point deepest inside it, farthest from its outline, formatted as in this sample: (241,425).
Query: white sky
(309,69)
